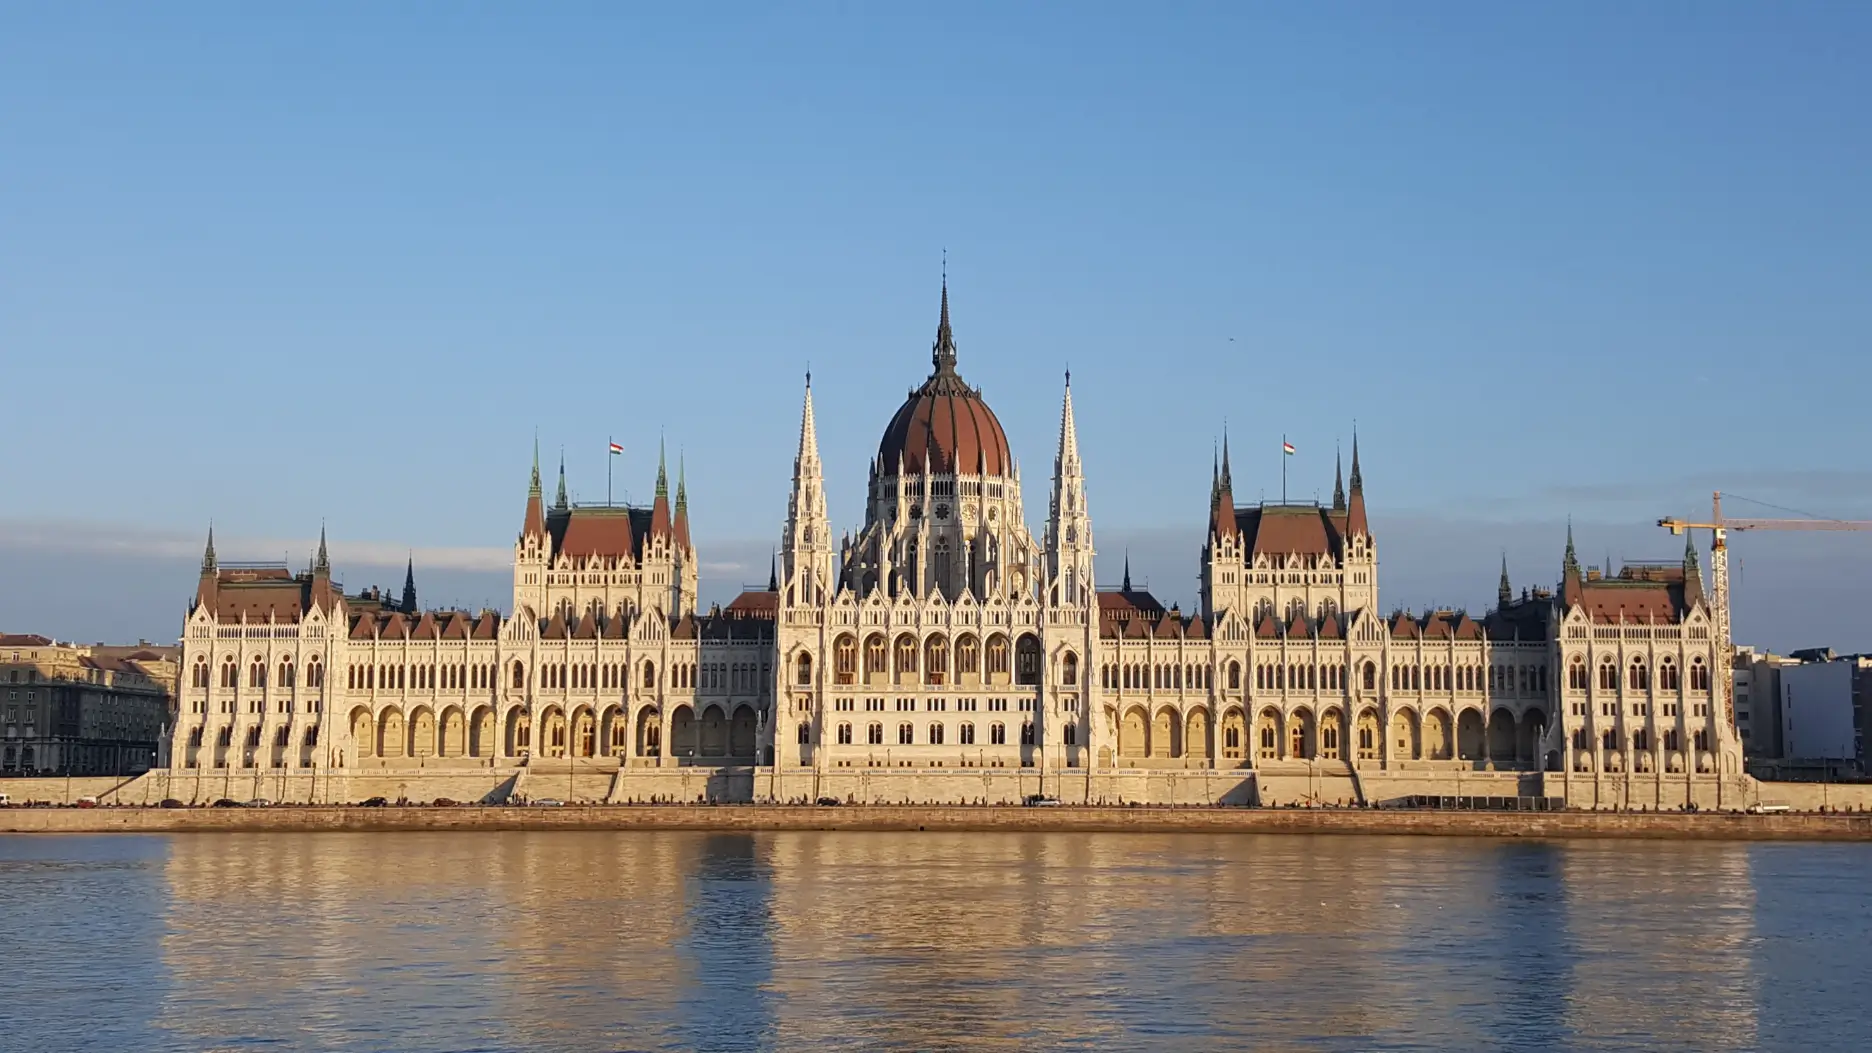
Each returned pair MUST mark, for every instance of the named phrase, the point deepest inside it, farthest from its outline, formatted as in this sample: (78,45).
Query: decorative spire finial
(1504,593)
(662,486)
(323,563)
(1127,571)
(535,486)
(1358,479)
(1228,482)
(943,353)
(1338,486)
(773,572)
(560,501)
(208,554)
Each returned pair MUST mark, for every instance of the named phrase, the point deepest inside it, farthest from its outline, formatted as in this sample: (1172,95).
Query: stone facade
(945,652)
(81,710)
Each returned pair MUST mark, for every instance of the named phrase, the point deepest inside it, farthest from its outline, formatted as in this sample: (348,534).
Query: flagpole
(609,442)
(1283,467)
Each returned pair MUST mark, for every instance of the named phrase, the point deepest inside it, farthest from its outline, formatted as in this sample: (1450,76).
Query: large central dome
(944,427)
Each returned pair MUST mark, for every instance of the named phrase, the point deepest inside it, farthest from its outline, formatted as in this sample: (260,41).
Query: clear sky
(273,266)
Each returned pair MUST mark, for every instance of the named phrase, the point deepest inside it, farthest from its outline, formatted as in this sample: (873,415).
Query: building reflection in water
(803,941)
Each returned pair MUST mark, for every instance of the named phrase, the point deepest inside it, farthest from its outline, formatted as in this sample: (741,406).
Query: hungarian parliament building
(946,652)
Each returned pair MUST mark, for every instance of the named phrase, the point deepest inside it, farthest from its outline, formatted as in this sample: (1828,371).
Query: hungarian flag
(616,449)
(1287,447)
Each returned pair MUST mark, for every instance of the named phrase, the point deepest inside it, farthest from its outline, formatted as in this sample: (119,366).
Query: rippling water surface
(626,941)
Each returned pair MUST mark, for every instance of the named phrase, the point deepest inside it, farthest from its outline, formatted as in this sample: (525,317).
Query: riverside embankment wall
(1681,826)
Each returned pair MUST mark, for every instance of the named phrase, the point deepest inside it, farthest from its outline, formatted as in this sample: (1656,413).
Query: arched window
(256,673)
(805,669)
(805,734)
(1371,677)
(936,659)
(1608,675)
(1234,676)
(935,734)
(875,734)
(875,655)
(845,659)
(844,734)
(1667,675)
(1640,676)
(906,734)
(997,734)
(315,672)
(965,735)
(906,655)
(286,672)
(1576,674)
(1027,733)
(649,674)
(1699,674)
(519,674)
(968,655)
(1069,669)
(997,654)
(199,678)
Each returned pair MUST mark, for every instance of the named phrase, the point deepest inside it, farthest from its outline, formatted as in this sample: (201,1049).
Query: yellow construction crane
(1719,576)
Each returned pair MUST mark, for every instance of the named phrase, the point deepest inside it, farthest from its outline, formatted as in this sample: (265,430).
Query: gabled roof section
(1283,530)
(1329,628)
(487,627)
(606,533)
(1405,627)
(755,603)
(587,628)
(555,628)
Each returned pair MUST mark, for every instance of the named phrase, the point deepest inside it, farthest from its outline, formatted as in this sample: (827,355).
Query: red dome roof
(944,426)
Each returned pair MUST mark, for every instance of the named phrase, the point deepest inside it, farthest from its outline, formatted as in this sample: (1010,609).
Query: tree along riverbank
(748,817)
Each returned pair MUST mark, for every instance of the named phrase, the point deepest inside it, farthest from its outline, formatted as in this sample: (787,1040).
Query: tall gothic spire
(660,508)
(208,554)
(560,500)
(409,586)
(1504,593)
(1126,587)
(323,563)
(1338,485)
(534,524)
(943,352)
(1571,563)
(682,502)
(1355,503)
(773,572)
(1228,483)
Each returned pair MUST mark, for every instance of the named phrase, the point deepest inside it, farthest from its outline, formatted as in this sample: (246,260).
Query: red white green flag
(1287,448)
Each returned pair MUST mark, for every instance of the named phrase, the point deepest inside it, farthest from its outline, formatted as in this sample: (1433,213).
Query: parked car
(828,802)
(373,802)
(227,803)
(549,802)
(171,802)
(5,800)
(442,802)
(260,802)
(87,801)
(1769,808)
(1041,800)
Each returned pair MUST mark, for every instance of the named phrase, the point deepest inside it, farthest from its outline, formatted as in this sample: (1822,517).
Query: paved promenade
(1699,826)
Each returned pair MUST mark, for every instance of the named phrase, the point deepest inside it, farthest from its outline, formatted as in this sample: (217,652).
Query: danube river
(801,941)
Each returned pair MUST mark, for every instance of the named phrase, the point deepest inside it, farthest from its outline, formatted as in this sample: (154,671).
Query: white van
(5,800)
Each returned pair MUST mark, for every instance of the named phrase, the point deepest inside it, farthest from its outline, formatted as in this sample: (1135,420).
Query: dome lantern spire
(943,351)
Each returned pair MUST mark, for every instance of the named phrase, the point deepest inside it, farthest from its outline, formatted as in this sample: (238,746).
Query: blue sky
(271,267)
